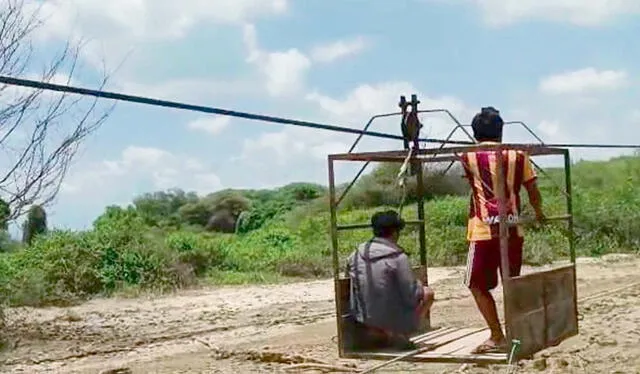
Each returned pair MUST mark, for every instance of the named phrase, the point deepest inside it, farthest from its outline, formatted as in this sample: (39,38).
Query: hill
(171,239)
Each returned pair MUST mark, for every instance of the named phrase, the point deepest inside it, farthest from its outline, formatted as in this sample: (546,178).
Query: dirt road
(227,330)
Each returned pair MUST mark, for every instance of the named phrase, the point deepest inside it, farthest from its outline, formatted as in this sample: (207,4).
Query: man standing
(483,261)
(387,302)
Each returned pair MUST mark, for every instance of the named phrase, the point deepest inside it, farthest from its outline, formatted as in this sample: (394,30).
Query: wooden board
(542,309)
(451,345)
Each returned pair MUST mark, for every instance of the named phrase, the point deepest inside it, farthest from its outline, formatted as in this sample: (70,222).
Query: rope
(609,292)
(515,346)
(402,179)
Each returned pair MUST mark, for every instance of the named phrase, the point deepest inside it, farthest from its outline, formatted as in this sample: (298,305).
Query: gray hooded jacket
(384,291)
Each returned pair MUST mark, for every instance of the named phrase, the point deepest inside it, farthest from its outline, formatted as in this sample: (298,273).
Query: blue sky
(565,67)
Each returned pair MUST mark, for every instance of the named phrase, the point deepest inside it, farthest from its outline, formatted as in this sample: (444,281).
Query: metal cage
(540,308)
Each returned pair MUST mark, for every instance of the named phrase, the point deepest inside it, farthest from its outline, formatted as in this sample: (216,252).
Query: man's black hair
(487,125)
(385,223)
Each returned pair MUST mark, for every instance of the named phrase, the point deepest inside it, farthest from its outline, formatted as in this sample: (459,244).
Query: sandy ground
(229,329)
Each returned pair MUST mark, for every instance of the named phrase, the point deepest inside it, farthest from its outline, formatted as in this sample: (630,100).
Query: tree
(5,213)
(225,207)
(40,131)
(162,208)
(34,225)
(197,213)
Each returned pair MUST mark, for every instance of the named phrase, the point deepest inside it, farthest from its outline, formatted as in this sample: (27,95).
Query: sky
(565,67)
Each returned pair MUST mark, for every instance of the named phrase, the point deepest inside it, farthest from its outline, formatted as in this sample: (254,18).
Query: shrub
(35,224)
(285,233)
(199,251)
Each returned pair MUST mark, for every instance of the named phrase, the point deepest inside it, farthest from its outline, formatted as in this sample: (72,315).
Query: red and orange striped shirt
(481,171)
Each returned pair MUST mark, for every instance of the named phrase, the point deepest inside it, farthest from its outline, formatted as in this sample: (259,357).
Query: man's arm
(535,198)
(531,185)
(410,289)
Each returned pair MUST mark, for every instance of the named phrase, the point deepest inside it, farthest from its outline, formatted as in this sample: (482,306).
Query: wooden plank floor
(449,345)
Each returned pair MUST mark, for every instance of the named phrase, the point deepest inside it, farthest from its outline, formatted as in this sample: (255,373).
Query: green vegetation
(172,239)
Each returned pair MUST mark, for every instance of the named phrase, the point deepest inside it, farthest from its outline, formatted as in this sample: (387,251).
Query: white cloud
(549,129)
(187,89)
(578,12)
(281,144)
(118,179)
(339,49)
(150,19)
(293,145)
(211,125)
(116,27)
(583,81)
(284,71)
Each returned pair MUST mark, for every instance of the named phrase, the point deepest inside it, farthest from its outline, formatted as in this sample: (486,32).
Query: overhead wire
(250,116)
(201,108)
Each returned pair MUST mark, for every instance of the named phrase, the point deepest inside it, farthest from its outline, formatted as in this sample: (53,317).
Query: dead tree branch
(40,131)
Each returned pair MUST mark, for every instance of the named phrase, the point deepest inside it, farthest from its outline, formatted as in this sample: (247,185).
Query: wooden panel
(484,359)
(453,345)
(465,343)
(343,295)
(442,343)
(433,334)
(431,357)
(346,334)
(562,321)
(527,311)
(542,309)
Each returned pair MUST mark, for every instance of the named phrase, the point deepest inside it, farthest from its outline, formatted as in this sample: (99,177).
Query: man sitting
(387,302)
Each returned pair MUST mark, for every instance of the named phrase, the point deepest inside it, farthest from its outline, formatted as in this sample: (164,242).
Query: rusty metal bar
(352,183)
(526,128)
(473,139)
(500,192)
(356,226)
(523,125)
(422,234)
(334,252)
(532,149)
(366,127)
(529,220)
(452,161)
(391,156)
(570,229)
(533,275)
(451,116)
(569,204)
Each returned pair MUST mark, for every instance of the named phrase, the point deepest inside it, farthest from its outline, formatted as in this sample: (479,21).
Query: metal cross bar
(399,156)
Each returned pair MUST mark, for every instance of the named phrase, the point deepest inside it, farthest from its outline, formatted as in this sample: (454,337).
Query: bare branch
(40,131)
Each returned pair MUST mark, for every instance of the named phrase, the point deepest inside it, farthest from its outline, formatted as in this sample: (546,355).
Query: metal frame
(442,154)
(390,156)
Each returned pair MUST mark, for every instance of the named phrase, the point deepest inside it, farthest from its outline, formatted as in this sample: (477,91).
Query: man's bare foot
(491,346)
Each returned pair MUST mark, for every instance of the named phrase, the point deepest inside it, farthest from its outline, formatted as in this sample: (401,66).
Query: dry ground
(228,329)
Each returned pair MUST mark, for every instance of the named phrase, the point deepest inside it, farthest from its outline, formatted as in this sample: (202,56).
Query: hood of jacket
(378,249)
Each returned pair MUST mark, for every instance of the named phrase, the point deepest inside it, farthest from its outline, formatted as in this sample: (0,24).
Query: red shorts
(483,262)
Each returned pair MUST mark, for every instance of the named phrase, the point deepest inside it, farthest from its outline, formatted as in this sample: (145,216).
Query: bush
(285,233)
(197,250)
